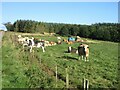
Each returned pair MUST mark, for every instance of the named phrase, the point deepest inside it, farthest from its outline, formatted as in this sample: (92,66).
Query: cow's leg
(78,57)
(82,57)
(87,59)
(30,49)
(43,48)
(24,47)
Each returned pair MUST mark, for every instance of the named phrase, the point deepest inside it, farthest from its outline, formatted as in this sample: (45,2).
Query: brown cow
(83,51)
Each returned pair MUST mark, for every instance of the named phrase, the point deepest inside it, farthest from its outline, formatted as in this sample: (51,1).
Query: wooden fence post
(56,75)
(86,84)
(67,79)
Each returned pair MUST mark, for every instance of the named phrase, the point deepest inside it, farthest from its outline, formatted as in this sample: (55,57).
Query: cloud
(3,27)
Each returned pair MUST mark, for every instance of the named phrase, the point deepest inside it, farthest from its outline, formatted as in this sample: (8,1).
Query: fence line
(86,81)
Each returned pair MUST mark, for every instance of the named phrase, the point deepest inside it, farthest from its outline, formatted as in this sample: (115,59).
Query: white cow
(59,38)
(22,39)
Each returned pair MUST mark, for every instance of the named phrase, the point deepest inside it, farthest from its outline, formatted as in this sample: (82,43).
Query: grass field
(21,69)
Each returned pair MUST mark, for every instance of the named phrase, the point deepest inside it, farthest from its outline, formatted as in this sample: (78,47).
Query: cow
(69,42)
(59,42)
(22,40)
(83,51)
(39,44)
(58,38)
(72,50)
(49,43)
(33,43)
(28,43)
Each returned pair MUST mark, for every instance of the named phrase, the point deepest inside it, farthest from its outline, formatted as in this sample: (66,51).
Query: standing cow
(83,51)
(34,43)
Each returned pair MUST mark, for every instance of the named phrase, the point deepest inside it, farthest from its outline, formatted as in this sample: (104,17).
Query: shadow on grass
(68,58)
(65,52)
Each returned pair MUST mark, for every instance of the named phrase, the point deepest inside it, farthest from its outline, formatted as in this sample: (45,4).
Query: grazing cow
(29,43)
(42,45)
(50,43)
(46,43)
(25,42)
(59,42)
(58,38)
(32,43)
(39,44)
(65,40)
(69,42)
(83,51)
(72,50)
(22,40)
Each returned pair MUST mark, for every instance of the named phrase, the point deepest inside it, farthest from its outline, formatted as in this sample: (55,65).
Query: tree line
(99,31)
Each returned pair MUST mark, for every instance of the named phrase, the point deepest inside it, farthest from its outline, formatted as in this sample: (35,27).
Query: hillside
(22,69)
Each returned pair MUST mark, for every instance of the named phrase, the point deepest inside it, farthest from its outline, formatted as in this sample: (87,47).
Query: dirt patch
(1,35)
(90,41)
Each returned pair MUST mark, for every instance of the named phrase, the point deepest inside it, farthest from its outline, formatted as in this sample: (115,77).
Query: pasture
(22,69)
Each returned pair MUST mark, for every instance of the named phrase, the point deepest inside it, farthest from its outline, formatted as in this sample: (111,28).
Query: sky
(60,0)
(61,12)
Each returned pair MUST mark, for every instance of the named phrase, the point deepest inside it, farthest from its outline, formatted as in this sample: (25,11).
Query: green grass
(23,69)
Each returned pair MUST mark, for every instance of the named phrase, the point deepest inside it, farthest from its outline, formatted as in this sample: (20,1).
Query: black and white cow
(39,44)
(32,43)
(72,50)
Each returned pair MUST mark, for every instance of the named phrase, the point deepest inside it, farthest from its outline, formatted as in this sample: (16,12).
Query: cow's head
(86,47)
